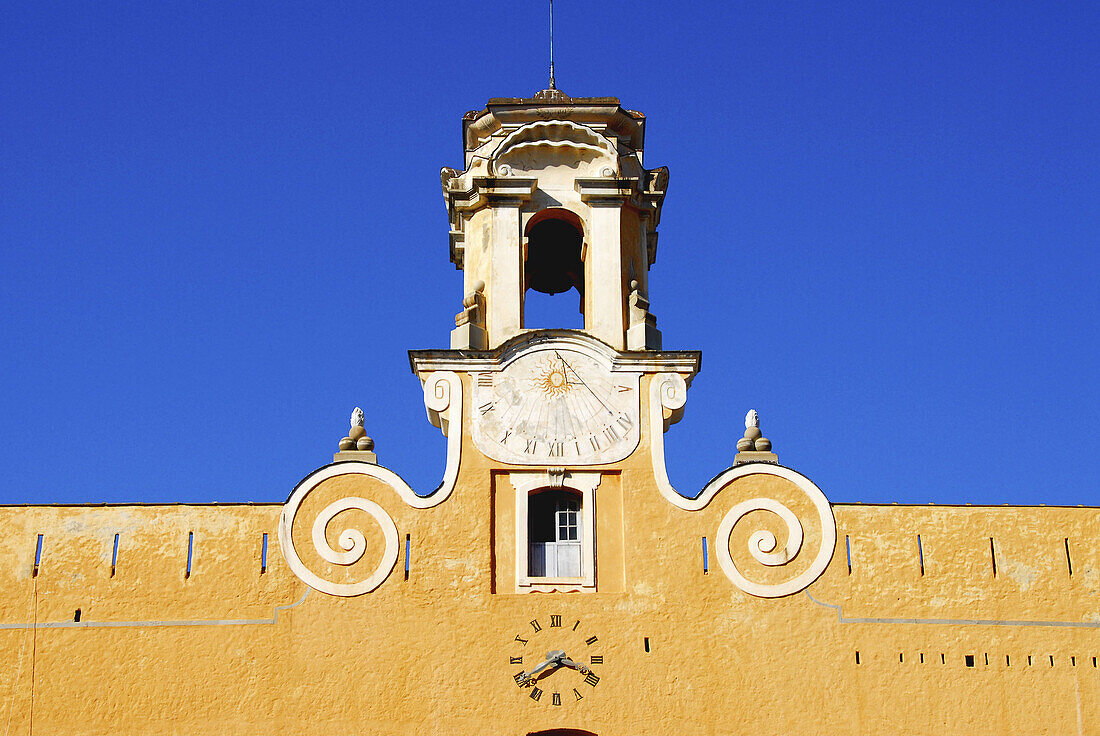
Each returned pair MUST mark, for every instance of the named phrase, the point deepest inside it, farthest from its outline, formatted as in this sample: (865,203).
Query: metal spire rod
(552,85)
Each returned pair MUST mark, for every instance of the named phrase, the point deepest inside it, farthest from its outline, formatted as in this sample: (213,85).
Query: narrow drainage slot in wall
(190,552)
(645,643)
(37,556)
(1069,560)
(857,656)
(114,556)
(76,616)
(706,561)
(408,549)
(969,658)
(848,551)
(263,555)
(920,555)
(993,556)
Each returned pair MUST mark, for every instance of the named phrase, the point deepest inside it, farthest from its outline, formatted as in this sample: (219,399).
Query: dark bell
(554,258)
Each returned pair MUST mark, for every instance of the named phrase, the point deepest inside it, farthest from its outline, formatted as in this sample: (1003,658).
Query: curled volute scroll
(667,396)
(443,401)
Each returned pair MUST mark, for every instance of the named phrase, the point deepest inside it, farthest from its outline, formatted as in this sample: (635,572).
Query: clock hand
(552,659)
(567,662)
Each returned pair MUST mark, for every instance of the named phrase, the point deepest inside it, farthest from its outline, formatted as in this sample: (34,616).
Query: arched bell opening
(553,265)
(554,534)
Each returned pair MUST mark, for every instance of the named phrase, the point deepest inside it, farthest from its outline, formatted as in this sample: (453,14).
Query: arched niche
(553,264)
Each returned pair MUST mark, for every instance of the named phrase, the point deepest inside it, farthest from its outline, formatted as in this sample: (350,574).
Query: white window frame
(585,483)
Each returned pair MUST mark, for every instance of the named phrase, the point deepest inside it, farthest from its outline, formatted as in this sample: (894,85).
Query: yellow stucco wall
(231,650)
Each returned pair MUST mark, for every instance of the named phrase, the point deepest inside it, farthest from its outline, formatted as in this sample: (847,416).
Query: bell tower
(554,197)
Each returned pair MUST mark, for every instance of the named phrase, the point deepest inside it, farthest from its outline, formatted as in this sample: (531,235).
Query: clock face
(554,406)
(553,661)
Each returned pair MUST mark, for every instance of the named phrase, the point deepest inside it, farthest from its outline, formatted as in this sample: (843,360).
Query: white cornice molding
(685,362)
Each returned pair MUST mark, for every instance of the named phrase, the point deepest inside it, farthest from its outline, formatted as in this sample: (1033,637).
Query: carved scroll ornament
(668,393)
(443,400)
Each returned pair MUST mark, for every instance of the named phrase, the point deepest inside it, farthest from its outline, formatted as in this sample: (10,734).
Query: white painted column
(505,294)
(603,274)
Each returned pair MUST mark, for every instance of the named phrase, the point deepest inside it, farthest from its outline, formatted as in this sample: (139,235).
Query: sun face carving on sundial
(556,406)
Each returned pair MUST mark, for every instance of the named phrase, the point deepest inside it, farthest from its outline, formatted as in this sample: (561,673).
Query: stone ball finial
(479,285)
(754,440)
(357,434)
(364,443)
(634,284)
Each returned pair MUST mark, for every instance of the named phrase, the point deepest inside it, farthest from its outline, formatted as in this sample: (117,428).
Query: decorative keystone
(357,445)
(754,447)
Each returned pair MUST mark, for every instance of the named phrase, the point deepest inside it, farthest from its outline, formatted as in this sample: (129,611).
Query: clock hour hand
(552,659)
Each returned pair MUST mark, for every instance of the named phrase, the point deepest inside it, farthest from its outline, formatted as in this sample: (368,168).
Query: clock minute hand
(567,662)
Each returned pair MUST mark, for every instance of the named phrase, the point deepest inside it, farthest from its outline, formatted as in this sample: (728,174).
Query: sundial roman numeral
(556,449)
(530,448)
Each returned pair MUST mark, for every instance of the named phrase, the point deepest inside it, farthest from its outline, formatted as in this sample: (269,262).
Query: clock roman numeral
(577,694)
(596,659)
(520,640)
(556,699)
(520,678)
(515,660)
(555,622)
(591,679)
(535,625)
(536,694)
(591,640)
(576,625)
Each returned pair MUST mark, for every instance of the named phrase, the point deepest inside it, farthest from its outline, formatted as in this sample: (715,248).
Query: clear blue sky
(221,228)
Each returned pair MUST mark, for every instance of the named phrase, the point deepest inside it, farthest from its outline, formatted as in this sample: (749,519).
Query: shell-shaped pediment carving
(554,143)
